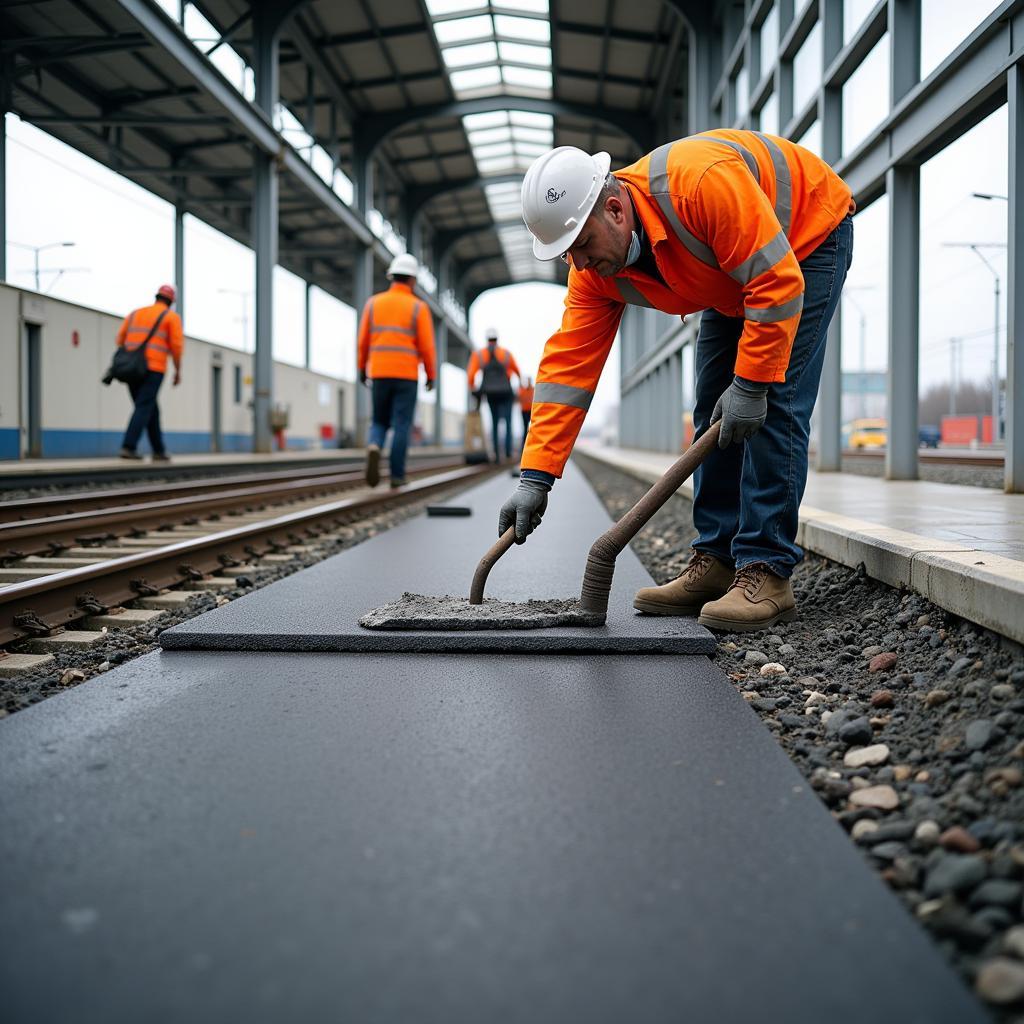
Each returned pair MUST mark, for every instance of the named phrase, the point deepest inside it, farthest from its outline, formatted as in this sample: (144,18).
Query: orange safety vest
(396,334)
(729,214)
(481,357)
(526,398)
(167,338)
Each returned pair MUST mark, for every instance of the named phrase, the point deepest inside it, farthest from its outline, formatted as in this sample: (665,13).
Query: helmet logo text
(552,196)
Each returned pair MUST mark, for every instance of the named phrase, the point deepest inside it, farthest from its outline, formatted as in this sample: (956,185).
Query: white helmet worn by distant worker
(404,265)
(559,191)
(491,334)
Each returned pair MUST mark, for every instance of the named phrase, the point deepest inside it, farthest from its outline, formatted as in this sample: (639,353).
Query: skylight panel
(479,138)
(531,78)
(440,7)
(531,6)
(532,149)
(496,165)
(475,53)
(475,78)
(531,120)
(542,135)
(464,28)
(496,149)
(474,121)
(533,29)
(522,53)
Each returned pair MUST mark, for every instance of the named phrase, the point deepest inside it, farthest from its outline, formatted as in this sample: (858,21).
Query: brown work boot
(704,579)
(373,464)
(756,600)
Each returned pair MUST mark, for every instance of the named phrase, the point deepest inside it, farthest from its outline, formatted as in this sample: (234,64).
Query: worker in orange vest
(526,404)
(157,327)
(757,232)
(396,334)
(497,365)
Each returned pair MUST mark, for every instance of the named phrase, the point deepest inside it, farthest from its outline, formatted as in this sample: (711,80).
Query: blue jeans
(501,412)
(747,498)
(394,404)
(146,415)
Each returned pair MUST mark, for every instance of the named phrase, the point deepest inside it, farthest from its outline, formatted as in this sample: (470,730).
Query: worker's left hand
(177,379)
(742,409)
(362,376)
(430,385)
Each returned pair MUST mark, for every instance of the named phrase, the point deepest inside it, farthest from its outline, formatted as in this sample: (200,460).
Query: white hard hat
(491,332)
(404,265)
(559,191)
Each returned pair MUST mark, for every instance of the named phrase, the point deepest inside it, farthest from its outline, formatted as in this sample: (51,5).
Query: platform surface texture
(319,608)
(383,839)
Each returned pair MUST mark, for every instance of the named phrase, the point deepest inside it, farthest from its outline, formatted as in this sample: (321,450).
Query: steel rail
(63,597)
(35,536)
(22,509)
(931,456)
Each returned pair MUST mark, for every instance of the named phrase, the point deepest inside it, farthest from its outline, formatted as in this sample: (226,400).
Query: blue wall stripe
(58,444)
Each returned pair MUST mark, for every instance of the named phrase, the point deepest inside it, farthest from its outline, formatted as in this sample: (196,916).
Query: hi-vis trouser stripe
(562,394)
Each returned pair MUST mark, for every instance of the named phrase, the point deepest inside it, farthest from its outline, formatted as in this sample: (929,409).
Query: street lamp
(863,343)
(245,295)
(37,249)
(976,248)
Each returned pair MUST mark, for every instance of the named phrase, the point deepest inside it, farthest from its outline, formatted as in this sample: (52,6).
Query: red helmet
(166,291)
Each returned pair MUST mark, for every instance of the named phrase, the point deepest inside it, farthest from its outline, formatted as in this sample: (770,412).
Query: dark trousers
(747,497)
(501,411)
(146,415)
(394,405)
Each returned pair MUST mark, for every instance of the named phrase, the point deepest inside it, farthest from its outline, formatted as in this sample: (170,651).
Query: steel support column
(703,72)
(441,347)
(308,348)
(903,185)
(179,259)
(362,179)
(1013,480)
(264,227)
(5,105)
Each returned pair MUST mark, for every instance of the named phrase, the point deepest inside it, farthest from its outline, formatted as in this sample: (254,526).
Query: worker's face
(603,243)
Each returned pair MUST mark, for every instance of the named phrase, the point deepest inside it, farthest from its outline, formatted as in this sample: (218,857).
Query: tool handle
(597,580)
(504,542)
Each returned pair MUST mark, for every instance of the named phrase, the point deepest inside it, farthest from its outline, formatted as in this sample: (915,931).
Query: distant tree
(973,397)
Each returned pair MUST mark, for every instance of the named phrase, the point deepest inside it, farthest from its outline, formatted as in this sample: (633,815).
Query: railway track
(933,457)
(199,541)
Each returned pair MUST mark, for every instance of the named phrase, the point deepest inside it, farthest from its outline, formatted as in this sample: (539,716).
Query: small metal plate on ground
(319,608)
(440,511)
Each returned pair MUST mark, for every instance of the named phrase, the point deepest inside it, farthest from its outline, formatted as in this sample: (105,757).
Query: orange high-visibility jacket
(168,337)
(396,334)
(526,398)
(481,357)
(729,215)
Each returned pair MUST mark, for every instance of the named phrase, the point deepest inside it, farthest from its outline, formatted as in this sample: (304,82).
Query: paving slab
(384,838)
(318,608)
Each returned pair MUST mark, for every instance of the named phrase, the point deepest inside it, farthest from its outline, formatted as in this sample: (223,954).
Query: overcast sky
(124,244)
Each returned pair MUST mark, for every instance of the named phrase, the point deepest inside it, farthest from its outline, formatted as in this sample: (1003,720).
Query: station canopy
(448,101)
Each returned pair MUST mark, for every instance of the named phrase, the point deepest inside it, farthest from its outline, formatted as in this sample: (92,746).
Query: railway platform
(69,472)
(961,547)
(262,834)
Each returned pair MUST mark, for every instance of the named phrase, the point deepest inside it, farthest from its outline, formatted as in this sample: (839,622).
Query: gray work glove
(524,509)
(742,409)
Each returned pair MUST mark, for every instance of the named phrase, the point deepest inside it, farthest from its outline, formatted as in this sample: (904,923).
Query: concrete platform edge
(980,586)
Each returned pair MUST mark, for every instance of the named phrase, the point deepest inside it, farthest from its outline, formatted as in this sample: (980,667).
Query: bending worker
(758,233)
(157,327)
(498,365)
(396,334)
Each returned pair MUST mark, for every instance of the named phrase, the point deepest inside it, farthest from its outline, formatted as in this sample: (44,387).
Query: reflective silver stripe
(631,294)
(563,394)
(658,186)
(161,333)
(393,348)
(783,183)
(764,259)
(383,328)
(748,158)
(773,314)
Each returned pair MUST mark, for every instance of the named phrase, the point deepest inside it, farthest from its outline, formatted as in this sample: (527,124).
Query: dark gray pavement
(370,838)
(319,609)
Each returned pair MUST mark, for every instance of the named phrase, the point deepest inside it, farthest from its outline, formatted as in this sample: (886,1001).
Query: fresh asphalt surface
(396,837)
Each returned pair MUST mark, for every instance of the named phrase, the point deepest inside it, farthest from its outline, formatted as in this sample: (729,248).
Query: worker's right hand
(362,376)
(177,379)
(524,509)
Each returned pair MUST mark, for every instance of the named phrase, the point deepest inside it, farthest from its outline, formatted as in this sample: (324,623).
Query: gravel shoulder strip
(908,723)
(70,668)
(970,476)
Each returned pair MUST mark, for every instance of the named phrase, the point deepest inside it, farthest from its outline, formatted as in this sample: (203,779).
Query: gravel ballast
(909,724)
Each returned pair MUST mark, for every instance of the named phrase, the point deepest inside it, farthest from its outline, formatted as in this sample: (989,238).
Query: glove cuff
(751,387)
(538,476)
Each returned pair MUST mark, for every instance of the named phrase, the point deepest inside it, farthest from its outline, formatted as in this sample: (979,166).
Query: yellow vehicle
(868,434)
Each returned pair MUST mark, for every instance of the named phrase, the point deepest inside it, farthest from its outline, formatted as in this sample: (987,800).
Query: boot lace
(749,578)
(699,562)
